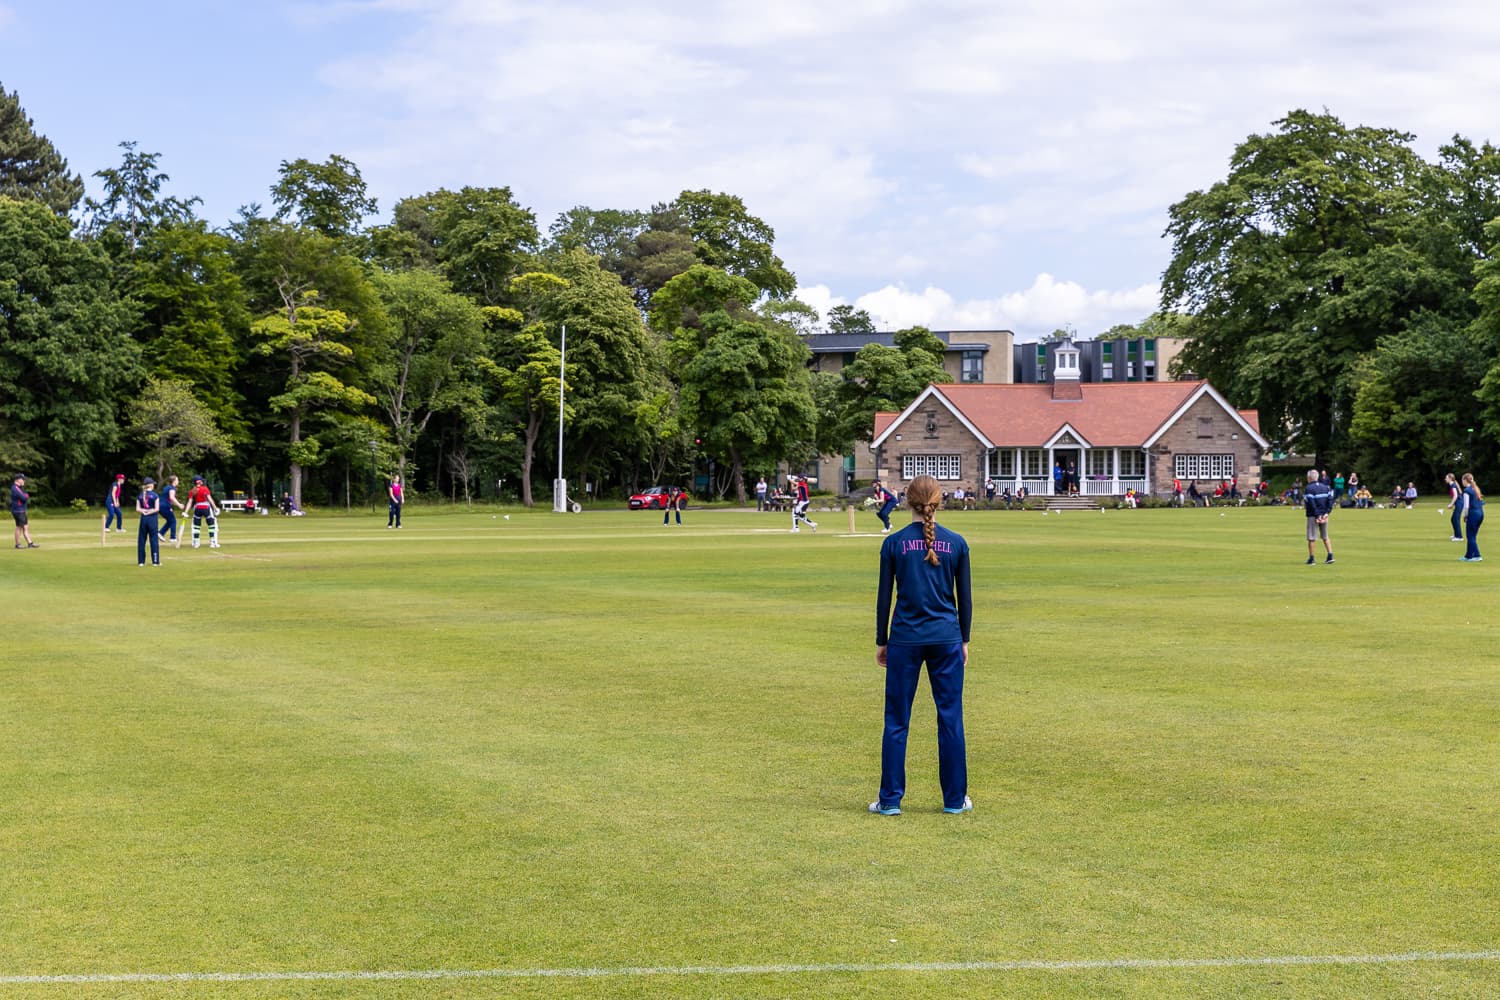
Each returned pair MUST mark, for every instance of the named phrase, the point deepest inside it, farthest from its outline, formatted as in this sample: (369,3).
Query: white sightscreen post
(560,485)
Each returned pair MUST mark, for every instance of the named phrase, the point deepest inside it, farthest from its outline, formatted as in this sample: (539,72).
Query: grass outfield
(559,744)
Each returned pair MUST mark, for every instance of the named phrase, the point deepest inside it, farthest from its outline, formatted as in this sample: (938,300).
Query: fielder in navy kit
(169,507)
(112,502)
(148,505)
(928,568)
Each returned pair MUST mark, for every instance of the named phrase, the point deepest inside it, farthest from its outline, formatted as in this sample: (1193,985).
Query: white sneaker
(813,525)
(885,531)
(213,545)
(968,806)
(795,530)
(195,545)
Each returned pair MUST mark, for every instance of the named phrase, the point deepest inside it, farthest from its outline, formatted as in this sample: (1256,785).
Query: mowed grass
(588,742)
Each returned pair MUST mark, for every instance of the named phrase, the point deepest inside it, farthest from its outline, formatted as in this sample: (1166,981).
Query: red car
(656,498)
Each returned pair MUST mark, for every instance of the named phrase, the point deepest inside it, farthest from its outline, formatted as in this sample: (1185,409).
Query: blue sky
(967,165)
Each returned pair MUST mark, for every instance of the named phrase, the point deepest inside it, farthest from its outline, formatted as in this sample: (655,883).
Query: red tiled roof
(1110,414)
(1251,417)
(882,421)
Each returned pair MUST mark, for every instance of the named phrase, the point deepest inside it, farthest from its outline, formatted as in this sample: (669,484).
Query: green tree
(66,354)
(655,258)
(615,366)
(848,319)
(748,394)
(608,234)
(175,428)
(194,317)
(31,169)
(433,335)
(478,238)
(1297,263)
(524,364)
(1485,337)
(881,379)
(727,236)
(299,341)
(795,315)
(743,383)
(328,198)
(132,205)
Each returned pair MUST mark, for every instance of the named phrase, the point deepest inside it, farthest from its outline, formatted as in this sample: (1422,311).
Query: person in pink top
(393,518)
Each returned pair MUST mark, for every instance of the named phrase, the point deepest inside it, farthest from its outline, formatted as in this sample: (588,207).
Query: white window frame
(1132,463)
(1005,463)
(1216,467)
(1034,463)
(1100,462)
(941,467)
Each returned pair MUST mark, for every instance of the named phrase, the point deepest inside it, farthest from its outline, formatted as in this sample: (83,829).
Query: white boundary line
(1020,965)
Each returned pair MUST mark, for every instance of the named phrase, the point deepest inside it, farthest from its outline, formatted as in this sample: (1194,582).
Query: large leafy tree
(1415,403)
(524,362)
(480,239)
(608,234)
(1298,262)
(881,379)
(132,204)
(727,236)
(174,426)
(31,168)
(194,316)
(849,319)
(329,198)
(1485,334)
(306,344)
(66,354)
(433,335)
(743,384)
(615,366)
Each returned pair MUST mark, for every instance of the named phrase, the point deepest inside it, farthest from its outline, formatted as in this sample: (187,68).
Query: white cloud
(1047,305)
(889,148)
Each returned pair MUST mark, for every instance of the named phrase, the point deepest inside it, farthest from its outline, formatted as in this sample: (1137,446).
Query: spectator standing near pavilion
(760,494)
(927,568)
(20,502)
(1317,503)
(1473,517)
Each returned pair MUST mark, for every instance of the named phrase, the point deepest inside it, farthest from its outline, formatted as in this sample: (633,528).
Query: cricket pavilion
(1116,436)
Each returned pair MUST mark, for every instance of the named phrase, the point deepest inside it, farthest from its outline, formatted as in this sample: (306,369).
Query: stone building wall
(933,430)
(1205,429)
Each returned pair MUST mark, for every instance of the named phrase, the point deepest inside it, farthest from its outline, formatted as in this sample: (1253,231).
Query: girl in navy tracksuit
(928,568)
(1473,503)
